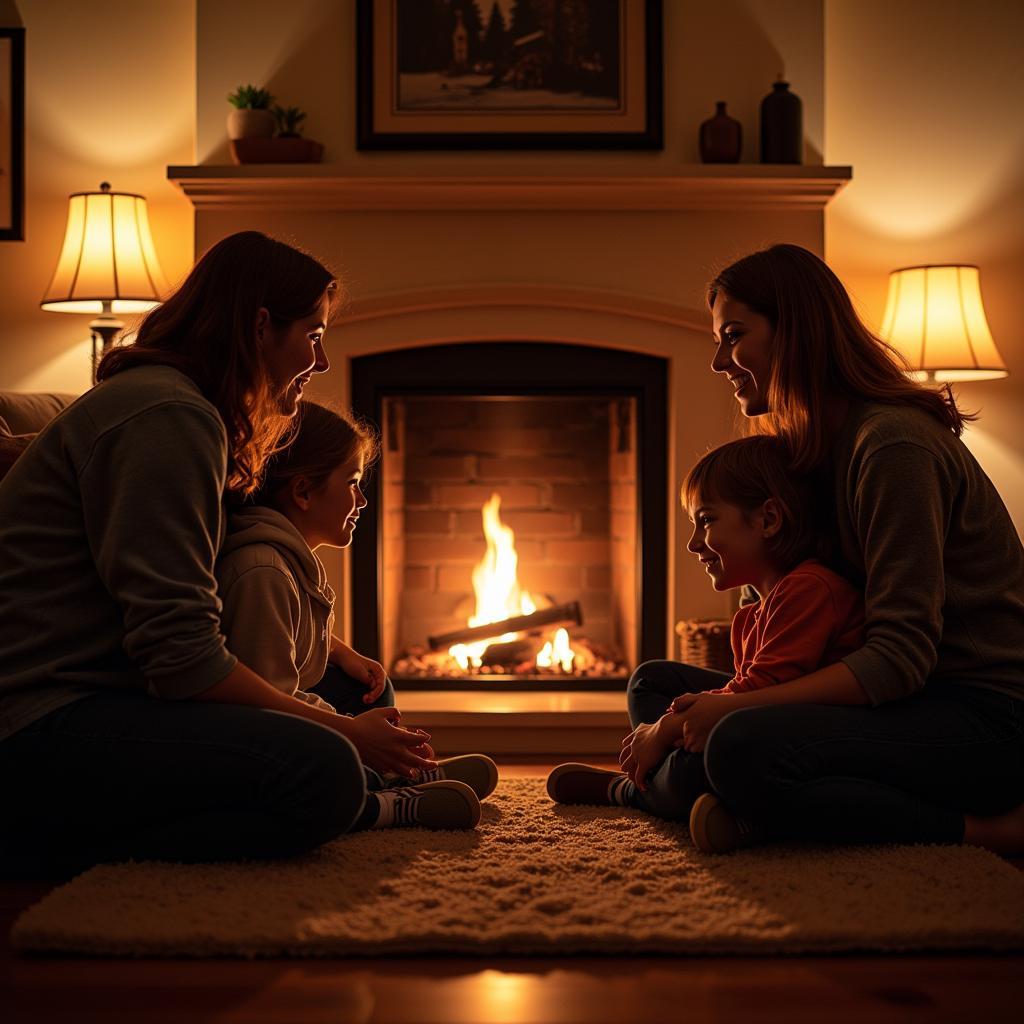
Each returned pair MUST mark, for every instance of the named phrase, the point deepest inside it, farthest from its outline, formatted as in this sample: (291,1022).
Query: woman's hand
(700,713)
(645,748)
(367,671)
(386,747)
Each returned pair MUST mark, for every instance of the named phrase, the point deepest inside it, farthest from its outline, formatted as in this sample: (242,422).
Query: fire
(498,595)
(558,652)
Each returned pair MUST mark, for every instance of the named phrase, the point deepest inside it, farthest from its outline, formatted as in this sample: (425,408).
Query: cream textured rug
(538,878)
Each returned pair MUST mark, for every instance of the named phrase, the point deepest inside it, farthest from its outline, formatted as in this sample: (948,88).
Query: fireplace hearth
(515,477)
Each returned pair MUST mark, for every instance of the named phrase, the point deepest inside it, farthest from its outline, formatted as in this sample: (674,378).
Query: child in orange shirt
(753,525)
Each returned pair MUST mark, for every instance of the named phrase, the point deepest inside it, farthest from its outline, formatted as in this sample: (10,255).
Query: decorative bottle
(721,137)
(782,130)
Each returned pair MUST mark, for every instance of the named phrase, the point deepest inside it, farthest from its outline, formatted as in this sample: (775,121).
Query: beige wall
(924,99)
(110,95)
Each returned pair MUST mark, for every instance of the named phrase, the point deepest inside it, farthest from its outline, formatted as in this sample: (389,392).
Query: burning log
(557,615)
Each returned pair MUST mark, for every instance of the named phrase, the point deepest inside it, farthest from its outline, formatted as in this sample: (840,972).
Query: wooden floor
(453,990)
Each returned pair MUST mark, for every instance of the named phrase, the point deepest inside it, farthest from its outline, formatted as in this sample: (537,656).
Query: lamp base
(104,329)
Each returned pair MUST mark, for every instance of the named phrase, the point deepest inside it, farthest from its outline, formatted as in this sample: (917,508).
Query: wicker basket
(705,643)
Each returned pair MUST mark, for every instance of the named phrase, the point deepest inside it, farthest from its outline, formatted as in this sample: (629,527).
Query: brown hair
(746,473)
(324,440)
(821,349)
(206,329)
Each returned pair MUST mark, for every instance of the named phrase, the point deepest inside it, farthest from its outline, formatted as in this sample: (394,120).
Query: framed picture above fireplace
(509,74)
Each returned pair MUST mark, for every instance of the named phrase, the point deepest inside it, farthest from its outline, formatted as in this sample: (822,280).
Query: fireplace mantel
(310,187)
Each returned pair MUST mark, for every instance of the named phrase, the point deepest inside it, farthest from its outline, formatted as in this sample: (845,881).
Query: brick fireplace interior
(572,441)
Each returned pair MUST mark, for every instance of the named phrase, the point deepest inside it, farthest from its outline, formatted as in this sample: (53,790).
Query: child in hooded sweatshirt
(278,610)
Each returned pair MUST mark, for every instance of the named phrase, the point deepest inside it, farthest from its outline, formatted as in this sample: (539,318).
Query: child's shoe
(582,784)
(445,804)
(715,829)
(477,771)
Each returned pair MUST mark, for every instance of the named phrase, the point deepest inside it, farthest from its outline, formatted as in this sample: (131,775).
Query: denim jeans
(906,771)
(121,775)
(674,785)
(346,694)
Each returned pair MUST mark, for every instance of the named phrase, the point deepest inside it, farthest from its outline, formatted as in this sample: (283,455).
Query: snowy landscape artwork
(510,56)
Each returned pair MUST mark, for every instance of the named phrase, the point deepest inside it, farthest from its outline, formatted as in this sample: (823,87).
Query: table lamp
(107,265)
(934,316)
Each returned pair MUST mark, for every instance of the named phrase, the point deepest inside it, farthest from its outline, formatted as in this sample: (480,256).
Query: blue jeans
(906,771)
(346,694)
(122,775)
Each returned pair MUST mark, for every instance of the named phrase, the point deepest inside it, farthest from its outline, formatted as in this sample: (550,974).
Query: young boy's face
(730,544)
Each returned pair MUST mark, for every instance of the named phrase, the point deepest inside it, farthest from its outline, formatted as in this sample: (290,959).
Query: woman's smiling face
(743,352)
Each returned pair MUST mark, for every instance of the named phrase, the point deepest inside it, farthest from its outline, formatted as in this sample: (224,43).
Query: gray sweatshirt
(109,529)
(923,530)
(278,606)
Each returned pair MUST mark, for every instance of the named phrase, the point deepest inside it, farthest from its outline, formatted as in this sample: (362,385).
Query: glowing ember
(497,591)
(557,652)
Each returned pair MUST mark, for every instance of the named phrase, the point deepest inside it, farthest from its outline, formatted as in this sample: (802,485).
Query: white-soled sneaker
(477,771)
(445,804)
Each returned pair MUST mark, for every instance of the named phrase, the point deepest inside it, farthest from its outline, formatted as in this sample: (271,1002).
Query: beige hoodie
(278,605)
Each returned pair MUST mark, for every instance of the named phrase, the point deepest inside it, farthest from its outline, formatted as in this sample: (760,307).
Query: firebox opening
(503,507)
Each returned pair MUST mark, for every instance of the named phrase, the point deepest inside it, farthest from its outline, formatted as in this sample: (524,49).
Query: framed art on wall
(12,134)
(509,74)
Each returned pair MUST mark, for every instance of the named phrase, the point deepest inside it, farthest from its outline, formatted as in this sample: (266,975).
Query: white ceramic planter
(251,124)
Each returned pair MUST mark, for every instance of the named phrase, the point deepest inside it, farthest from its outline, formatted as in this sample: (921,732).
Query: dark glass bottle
(782,126)
(721,138)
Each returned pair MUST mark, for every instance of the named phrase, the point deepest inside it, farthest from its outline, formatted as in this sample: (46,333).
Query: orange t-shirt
(811,618)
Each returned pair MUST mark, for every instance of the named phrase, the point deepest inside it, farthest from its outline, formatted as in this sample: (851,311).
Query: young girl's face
(730,544)
(335,506)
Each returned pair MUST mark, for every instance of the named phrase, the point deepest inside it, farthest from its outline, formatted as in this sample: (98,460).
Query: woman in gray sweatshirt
(128,727)
(917,736)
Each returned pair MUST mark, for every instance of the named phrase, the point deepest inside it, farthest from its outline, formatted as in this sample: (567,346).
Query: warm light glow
(557,652)
(934,316)
(495,585)
(107,257)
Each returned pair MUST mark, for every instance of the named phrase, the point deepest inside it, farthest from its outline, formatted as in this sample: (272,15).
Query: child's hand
(700,713)
(367,671)
(643,750)
(387,747)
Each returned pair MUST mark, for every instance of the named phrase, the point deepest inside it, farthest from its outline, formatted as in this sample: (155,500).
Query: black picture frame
(640,96)
(12,142)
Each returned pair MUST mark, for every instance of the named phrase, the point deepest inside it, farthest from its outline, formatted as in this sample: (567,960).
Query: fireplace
(549,459)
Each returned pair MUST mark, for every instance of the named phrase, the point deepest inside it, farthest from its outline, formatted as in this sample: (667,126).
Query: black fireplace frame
(510,369)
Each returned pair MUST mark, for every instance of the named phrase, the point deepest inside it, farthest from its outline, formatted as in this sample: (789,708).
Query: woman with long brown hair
(127,726)
(918,736)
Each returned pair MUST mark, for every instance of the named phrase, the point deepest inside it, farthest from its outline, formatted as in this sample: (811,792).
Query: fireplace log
(557,615)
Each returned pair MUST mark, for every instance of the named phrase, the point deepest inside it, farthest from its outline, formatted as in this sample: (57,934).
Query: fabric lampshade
(934,316)
(107,257)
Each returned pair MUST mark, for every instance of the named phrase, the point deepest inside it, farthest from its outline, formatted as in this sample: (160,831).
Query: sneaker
(445,804)
(582,784)
(477,771)
(715,829)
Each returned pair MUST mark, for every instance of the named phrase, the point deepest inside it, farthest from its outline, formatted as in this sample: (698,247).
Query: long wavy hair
(207,330)
(324,440)
(821,350)
(746,473)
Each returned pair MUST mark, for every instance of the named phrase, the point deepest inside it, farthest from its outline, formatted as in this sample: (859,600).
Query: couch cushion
(29,412)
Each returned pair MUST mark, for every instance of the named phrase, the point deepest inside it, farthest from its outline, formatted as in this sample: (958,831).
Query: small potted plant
(287,147)
(252,117)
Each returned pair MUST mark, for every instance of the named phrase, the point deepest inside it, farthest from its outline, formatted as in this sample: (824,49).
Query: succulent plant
(289,120)
(248,97)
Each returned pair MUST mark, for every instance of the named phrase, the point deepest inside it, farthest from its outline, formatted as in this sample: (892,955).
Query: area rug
(536,878)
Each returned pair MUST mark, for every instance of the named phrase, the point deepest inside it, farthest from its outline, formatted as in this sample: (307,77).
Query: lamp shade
(107,263)
(934,316)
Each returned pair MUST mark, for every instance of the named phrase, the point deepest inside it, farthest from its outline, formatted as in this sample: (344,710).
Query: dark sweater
(109,527)
(923,530)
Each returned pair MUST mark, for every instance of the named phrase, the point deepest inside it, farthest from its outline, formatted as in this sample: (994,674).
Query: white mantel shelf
(319,187)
